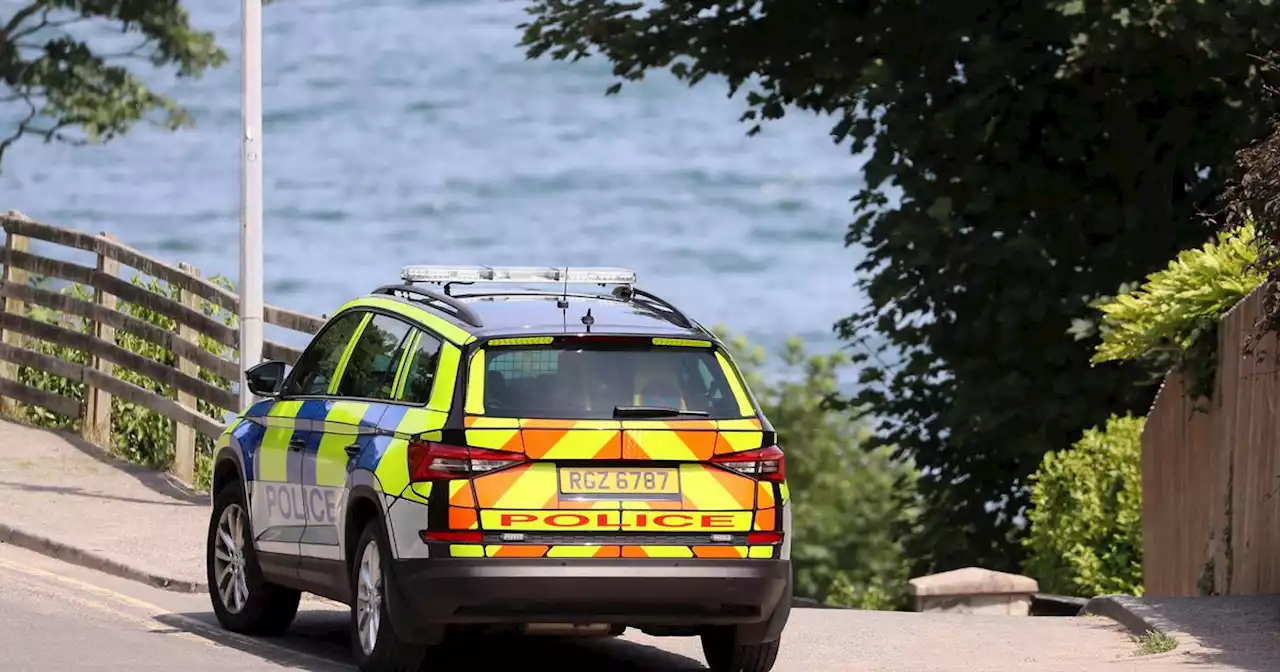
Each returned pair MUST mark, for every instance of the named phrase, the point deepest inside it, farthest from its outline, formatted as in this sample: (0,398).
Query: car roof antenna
(588,320)
(563,303)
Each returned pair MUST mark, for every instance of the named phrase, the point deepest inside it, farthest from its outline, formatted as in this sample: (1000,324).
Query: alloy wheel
(229,559)
(369,597)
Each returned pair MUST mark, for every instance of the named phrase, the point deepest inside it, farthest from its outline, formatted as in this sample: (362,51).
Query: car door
(355,404)
(279,502)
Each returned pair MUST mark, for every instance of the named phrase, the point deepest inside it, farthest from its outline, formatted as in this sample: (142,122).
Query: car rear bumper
(596,590)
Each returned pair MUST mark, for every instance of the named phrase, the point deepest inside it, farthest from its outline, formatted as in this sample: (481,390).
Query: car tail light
(760,538)
(766,464)
(456,536)
(430,461)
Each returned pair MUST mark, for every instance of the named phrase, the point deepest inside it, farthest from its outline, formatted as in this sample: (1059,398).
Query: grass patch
(1154,642)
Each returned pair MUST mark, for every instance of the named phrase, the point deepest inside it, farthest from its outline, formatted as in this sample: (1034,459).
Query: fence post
(16,276)
(184,437)
(95,427)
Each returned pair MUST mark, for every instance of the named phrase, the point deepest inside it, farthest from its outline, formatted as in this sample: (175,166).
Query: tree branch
(22,15)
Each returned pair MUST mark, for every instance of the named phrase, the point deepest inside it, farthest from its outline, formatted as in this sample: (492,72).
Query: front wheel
(243,600)
(725,654)
(374,641)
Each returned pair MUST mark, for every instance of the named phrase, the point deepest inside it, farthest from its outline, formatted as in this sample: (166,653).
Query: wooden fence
(1211,474)
(194,306)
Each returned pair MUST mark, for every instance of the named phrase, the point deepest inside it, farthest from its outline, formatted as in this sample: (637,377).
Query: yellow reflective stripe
(682,342)
(446,378)
(406,359)
(524,340)
(331,460)
(346,354)
(466,550)
(572,551)
(393,468)
(434,322)
(419,420)
(475,384)
(273,452)
(739,394)
(760,552)
(414,494)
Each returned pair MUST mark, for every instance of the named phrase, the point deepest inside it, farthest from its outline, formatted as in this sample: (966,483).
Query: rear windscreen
(593,382)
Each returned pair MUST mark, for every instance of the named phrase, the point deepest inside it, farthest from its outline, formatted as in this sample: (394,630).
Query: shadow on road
(1237,632)
(158,482)
(318,642)
(81,492)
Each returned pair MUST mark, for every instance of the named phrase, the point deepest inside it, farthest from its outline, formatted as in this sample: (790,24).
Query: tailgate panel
(581,457)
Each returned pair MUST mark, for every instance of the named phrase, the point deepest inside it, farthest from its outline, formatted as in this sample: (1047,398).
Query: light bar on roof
(525,274)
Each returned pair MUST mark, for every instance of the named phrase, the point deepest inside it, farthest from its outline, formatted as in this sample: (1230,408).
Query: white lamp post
(250,194)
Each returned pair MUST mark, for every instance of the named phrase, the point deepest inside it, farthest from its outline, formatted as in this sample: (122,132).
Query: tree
(1045,151)
(849,503)
(64,87)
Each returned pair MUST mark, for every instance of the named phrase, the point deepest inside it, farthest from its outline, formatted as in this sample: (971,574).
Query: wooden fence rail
(105,323)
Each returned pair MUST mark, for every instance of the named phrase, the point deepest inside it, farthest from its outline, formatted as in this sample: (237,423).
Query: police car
(482,448)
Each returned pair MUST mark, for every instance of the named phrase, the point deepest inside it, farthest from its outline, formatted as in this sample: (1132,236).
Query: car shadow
(318,642)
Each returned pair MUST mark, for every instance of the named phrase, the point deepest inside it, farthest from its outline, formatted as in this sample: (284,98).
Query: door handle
(297,444)
(353,450)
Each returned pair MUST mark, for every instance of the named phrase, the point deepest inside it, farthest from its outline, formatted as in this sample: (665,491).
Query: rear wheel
(243,600)
(374,641)
(725,654)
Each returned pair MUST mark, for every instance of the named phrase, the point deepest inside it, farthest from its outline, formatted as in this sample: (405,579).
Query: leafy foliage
(1253,195)
(1045,152)
(849,502)
(1172,319)
(138,435)
(65,87)
(1086,524)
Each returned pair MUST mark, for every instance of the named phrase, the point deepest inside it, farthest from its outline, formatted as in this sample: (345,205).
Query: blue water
(403,131)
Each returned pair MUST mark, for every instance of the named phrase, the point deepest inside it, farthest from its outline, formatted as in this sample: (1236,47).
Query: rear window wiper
(652,412)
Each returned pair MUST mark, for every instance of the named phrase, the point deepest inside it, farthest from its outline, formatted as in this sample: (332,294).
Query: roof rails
(655,303)
(409,292)
(446,275)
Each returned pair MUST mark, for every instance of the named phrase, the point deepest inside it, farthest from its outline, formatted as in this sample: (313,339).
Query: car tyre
(243,601)
(376,645)
(724,654)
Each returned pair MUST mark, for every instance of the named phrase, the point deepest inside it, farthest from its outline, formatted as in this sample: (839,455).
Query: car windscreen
(607,380)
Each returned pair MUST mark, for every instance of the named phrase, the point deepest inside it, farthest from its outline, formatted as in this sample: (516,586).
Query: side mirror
(266,379)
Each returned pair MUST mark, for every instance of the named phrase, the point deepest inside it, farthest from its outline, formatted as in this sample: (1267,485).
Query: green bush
(1171,321)
(850,503)
(1086,521)
(138,435)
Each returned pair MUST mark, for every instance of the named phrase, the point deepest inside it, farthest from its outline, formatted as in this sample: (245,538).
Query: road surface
(57,616)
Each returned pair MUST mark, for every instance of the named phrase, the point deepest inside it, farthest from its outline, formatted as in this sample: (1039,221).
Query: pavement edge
(91,560)
(1130,612)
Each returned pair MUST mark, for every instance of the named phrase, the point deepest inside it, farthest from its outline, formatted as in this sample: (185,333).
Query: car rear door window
(371,369)
(587,380)
(315,369)
(422,370)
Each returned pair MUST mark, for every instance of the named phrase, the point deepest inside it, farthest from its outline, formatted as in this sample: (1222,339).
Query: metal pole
(251,195)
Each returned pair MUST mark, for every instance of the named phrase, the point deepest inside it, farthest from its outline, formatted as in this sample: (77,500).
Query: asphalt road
(55,616)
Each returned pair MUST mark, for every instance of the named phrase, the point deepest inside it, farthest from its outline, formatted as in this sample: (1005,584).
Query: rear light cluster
(429,461)
(454,536)
(762,538)
(766,464)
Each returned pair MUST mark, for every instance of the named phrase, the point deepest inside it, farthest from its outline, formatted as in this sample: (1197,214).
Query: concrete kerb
(1136,617)
(91,560)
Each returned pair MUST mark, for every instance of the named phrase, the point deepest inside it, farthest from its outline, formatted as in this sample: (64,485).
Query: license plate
(650,482)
